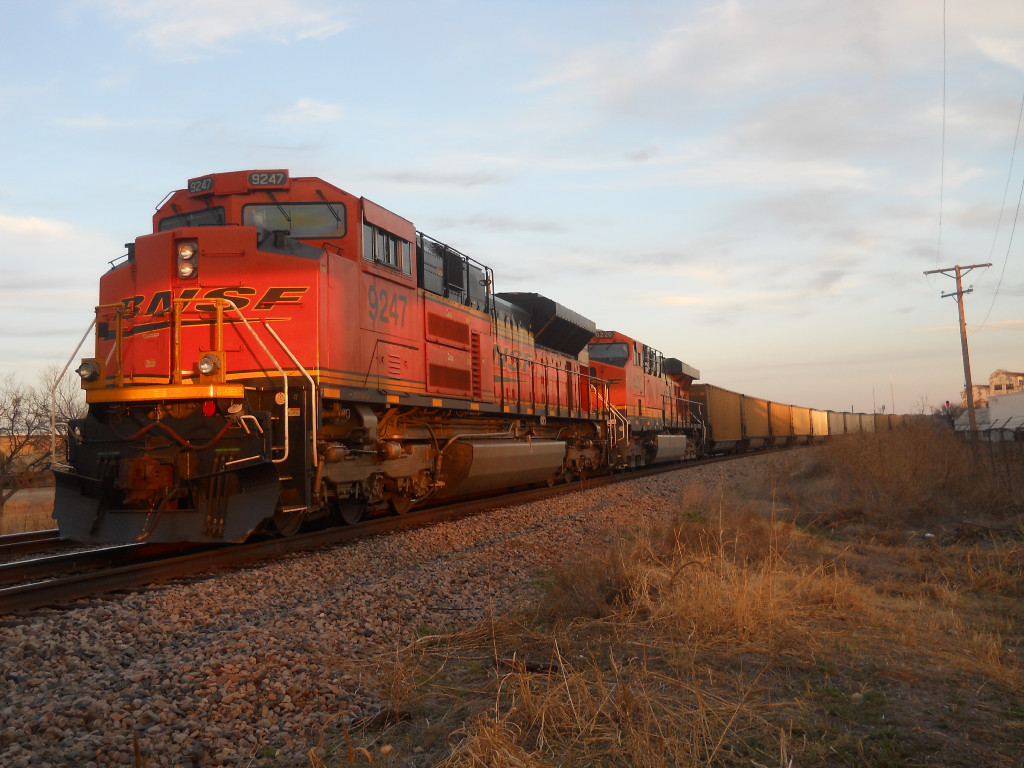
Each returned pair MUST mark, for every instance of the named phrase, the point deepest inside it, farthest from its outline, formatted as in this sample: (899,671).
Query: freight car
(736,422)
(279,351)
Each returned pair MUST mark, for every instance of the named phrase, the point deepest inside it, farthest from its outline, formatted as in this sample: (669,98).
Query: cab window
(207,217)
(298,219)
(616,353)
(384,248)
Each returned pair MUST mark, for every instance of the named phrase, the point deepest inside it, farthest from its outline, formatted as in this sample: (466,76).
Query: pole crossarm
(963,270)
(957,293)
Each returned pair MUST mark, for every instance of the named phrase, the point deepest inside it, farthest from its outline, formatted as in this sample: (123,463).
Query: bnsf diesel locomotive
(279,351)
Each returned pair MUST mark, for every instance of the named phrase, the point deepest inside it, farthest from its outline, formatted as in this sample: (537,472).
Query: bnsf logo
(241,295)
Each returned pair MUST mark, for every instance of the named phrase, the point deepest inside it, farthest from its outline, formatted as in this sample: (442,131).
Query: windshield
(616,353)
(207,217)
(298,219)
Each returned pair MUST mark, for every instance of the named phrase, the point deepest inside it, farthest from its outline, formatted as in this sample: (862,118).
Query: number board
(201,186)
(268,178)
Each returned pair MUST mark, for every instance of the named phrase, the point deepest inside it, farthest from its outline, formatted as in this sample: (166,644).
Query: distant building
(980,391)
(999,383)
(1004,382)
(1001,420)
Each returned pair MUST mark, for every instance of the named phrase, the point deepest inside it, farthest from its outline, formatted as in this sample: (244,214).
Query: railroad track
(24,543)
(44,581)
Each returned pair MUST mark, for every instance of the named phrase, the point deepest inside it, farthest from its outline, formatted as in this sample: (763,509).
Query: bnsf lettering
(132,304)
(236,295)
(161,303)
(240,295)
(275,296)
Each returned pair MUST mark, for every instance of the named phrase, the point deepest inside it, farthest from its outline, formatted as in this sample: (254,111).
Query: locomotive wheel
(400,504)
(287,523)
(350,511)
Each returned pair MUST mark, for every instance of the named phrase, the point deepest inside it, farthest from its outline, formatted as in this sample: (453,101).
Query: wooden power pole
(958,294)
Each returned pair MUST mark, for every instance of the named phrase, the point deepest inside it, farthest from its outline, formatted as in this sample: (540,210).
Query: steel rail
(21,571)
(30,541)
(213,558)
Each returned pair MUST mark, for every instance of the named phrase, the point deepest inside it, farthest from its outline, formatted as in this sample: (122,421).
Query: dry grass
(729,636)
(29,509)
(917,475)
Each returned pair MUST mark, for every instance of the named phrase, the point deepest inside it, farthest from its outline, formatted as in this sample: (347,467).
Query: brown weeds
(917,474)
(729,637)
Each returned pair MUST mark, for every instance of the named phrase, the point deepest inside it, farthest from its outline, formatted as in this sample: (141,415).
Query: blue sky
(753,187)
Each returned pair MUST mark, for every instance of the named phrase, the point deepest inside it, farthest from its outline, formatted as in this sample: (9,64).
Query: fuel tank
(670,448)
(473,466)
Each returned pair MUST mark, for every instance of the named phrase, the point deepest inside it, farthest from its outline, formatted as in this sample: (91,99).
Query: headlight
(209,364)
(187,258)
(89,370)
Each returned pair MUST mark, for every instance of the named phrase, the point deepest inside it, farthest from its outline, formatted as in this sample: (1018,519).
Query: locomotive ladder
(619,424)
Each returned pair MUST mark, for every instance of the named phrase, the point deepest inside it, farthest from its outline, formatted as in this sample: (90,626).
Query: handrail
(177,307)
(579,376)
(312,386)
(53,394)
(273,359)
(677,412)
(616,414)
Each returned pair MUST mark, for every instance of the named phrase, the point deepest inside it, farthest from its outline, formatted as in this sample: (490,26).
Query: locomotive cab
(649,394)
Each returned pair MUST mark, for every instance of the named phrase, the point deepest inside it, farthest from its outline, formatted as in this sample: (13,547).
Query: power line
(942,161)
(1002,206)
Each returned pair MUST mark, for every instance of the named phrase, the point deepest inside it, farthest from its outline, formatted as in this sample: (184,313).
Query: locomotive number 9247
(386,307)
(268,179)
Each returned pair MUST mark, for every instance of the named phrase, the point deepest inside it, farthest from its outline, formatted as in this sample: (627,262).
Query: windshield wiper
(282,210)
(330,207)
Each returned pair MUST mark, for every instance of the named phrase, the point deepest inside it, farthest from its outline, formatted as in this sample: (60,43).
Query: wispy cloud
(34,226)
(1008,51)
(445,178)
(1000,325)
(498,223)
(311,111)
(193,28)
(90,121)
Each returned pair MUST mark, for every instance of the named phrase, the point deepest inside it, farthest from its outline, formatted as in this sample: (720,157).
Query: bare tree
(25,436)
(64,394)
(949,412)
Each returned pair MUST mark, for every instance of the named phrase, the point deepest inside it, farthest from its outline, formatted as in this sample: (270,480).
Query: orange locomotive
(279,351)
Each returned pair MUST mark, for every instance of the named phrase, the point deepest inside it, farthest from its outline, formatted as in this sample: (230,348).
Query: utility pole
(958,294)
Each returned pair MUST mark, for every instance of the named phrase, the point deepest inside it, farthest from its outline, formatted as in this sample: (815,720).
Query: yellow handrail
(177,309)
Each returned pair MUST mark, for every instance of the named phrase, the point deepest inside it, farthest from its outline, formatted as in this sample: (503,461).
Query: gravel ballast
(247,667)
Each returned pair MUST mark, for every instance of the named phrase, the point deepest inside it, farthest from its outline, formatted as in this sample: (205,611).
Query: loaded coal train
(278,352)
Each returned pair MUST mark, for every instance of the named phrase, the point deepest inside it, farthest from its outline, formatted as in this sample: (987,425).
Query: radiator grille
(478,377)
(446,328)
(445,377)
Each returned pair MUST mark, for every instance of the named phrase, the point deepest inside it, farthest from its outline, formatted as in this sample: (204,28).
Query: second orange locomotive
(278,350)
